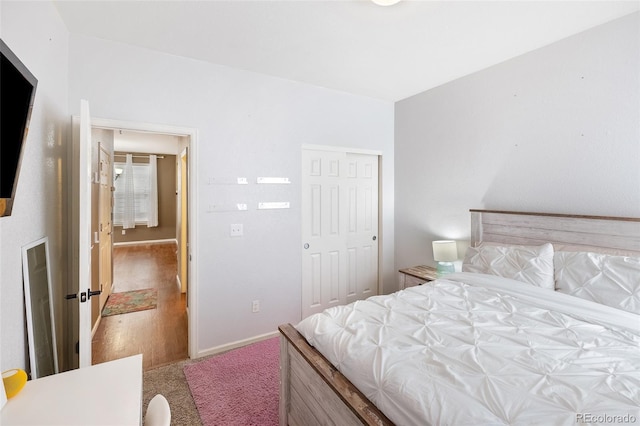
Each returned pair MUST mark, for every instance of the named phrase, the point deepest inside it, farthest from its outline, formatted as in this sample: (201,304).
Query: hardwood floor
(159,334)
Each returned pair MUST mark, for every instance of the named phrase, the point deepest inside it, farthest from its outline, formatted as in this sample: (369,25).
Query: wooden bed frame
(313,392)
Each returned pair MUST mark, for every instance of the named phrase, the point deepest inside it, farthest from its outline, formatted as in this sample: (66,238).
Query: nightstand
(416,275)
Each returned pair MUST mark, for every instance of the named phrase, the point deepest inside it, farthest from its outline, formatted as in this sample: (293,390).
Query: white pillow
(605,279)
(529,264)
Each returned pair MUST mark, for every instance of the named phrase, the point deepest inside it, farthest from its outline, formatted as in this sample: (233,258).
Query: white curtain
(129,211)
(153,191)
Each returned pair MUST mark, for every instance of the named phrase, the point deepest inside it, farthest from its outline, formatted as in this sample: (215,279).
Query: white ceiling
(355,46)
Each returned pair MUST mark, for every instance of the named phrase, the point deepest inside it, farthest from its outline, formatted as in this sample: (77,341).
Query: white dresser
(103,394)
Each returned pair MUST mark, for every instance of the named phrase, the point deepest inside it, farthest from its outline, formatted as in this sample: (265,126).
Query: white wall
(555,130)
(249,125)
(35,33)
(152,143)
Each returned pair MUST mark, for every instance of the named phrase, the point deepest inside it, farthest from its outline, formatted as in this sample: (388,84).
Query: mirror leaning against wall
(43,354)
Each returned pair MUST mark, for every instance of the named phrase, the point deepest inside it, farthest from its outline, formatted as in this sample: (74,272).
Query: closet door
(339,228)
(361,186)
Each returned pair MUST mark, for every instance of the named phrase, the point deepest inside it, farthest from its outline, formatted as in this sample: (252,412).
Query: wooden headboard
(615,235)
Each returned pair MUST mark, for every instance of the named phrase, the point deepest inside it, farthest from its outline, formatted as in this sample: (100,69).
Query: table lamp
(445,252)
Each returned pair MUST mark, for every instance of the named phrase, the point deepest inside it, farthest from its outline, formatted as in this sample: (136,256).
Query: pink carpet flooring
(239,387)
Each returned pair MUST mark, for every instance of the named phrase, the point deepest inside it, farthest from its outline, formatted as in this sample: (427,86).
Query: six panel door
(339,228)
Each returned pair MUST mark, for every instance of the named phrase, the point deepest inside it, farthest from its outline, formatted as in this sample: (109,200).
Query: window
(141,194)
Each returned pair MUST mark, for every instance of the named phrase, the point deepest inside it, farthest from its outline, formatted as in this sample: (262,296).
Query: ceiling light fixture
(385,2)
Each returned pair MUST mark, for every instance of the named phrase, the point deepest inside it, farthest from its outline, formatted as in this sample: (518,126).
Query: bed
(525,335)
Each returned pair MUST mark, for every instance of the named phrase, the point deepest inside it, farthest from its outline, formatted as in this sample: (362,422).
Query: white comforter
(482,350)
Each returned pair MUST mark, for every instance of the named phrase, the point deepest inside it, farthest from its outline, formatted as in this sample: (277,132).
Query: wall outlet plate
(236,230)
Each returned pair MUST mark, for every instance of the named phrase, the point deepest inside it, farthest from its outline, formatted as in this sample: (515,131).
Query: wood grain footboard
(313,392)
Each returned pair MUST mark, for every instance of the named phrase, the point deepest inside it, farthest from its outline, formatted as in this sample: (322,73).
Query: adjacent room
(302,159)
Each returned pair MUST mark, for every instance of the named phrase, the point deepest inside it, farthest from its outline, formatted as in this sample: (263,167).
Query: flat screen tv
(17,92)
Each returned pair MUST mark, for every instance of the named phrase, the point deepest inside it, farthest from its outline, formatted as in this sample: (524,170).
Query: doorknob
(374,238)
(306,246)
(92,293)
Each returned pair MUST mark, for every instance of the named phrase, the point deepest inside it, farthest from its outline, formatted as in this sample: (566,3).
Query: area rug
(239,387)
(130,301)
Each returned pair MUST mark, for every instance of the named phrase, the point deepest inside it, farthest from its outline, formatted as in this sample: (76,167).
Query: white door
(362,226)
(339,228)
(105,227)
(84,235)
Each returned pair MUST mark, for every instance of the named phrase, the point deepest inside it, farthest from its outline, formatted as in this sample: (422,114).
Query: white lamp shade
(445,251)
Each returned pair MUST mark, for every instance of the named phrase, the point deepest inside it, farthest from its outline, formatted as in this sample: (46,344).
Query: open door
(84,236)
(105,225)
(79,292)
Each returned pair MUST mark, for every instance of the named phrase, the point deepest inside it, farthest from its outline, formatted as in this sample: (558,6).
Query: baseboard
(139,243)
(236,344)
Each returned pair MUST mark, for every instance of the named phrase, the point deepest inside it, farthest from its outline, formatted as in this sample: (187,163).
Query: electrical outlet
(236,230)
(124,231)
(255,306)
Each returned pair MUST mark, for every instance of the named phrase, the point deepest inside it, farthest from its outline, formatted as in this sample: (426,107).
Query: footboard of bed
(313,392)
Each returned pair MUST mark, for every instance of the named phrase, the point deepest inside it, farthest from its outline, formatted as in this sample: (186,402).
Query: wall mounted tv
(17,92)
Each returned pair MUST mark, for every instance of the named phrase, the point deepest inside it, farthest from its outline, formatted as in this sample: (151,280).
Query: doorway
(146,251)
(183,235)
(80,315)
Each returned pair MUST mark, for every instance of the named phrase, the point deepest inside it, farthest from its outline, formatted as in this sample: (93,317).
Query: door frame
(183,200)
(380,199)
(192,207)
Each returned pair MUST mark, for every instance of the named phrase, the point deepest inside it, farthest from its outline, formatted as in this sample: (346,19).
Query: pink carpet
(239,387)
